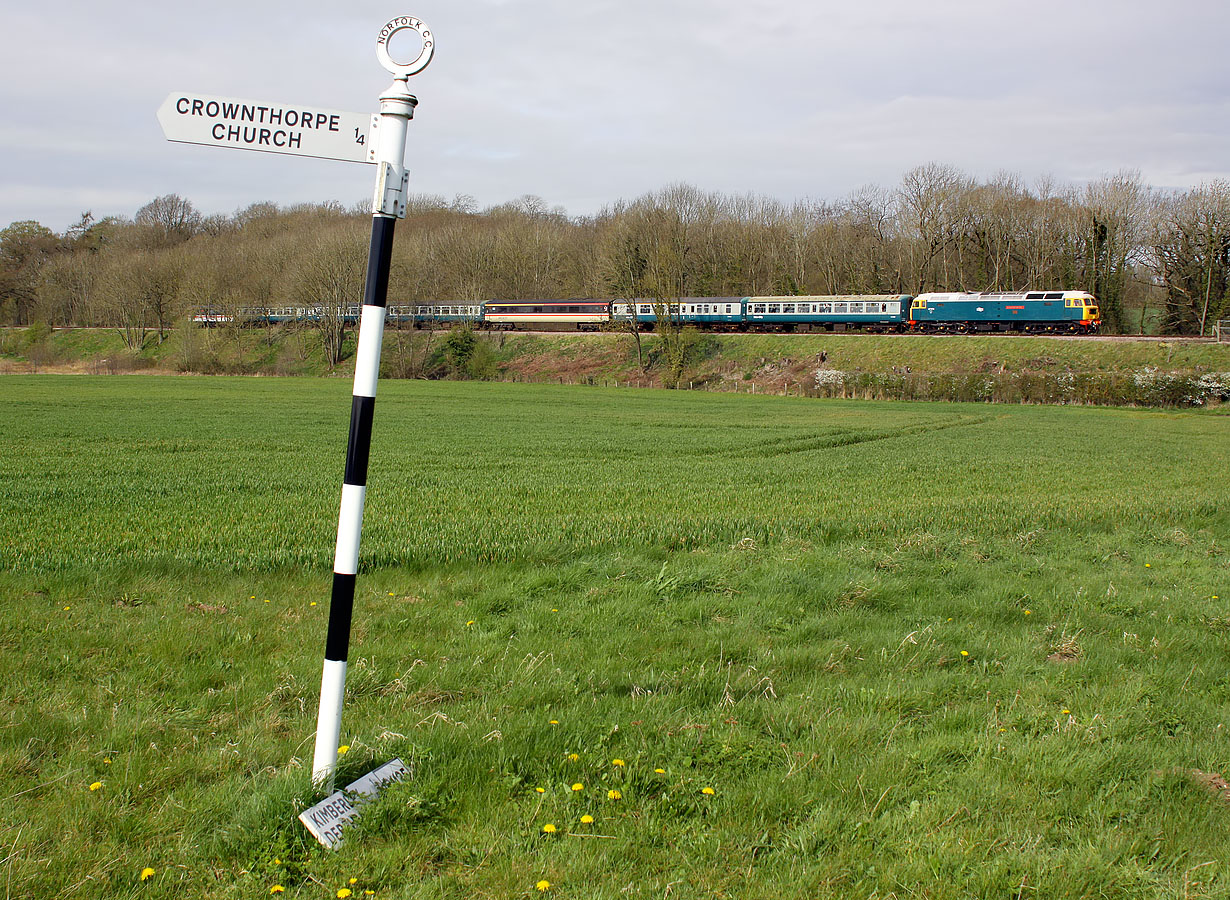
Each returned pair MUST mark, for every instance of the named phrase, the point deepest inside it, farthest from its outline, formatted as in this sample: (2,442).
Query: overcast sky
(586,102)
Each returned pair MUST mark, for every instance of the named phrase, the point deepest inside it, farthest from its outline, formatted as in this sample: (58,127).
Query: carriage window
(826,308)
(787,307)
(856,307)
(758,308)
(841,307)
(775,307)
(645,310)
(1055,296)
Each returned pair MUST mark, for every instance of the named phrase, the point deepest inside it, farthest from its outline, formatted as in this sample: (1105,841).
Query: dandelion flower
(253,597)
(276,861)
(578,786)
(540,790)
(965,653)
(617,762)
(147,873)
(345,748)
(96,785)
(67,608)
(343,893)
(354,881)
(277,889)
(587,820)
(707,790)
(1029,612)
(1066,712)
(573,757)
(1148,565)
(554,609)
(614,795)
(107,761)
(950,618)
(543,885)
(313,603)
(660,771)
(553,722)
(469,623)
(548,828)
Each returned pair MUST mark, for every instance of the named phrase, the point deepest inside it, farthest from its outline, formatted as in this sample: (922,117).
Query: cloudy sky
(586,102)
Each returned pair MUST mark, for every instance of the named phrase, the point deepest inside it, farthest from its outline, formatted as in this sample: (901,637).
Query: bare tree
(330,280)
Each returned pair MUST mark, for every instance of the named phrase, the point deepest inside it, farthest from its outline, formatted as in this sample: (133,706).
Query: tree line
(1155,259)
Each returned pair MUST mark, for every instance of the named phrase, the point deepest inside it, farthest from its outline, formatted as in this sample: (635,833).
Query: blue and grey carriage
(874,312)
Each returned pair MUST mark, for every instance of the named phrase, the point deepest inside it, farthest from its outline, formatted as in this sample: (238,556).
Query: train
(1027,312)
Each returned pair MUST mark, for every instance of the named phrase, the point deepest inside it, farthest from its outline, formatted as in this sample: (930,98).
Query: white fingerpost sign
(328,817)
(193,118)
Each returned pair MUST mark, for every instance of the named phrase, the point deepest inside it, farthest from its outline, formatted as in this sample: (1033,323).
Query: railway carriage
(581,314)
(1072,312)
(707,313)
(422,316)
(875,312)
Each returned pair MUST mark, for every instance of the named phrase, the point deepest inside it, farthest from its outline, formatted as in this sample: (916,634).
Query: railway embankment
(988,368)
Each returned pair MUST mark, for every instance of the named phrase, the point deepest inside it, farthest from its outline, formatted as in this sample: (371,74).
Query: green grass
(766,596)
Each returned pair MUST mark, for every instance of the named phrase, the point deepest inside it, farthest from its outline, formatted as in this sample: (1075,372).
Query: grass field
(912,650)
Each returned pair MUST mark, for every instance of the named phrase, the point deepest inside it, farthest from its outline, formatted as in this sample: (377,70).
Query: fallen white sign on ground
(327,818)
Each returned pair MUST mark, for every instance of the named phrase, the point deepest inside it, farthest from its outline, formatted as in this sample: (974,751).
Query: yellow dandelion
(345,748)
(541,790)
(1029,612)
(553,609)
(574,757)
(660,771)
(354,881)
(253,597)
(614,795)
(276,861)
(343,893)
(313,603)
(147,873)
(578,786)
(67,608)
(96,785)
(1148,565)
(965,653)
(707,790)
(543,885)
(1066,712)
(548,828)
(107,761)
(587,820)
(277,889)
(390,593)
(553,722)
(950,618)
(617,762)
(266,599)
(469,623)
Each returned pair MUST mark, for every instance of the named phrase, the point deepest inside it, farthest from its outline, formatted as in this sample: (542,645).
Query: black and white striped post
(388,205)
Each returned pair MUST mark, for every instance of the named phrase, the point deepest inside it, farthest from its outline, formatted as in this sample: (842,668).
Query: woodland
(1158,261)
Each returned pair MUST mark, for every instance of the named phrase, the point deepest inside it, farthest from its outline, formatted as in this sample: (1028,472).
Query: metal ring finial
(401,23)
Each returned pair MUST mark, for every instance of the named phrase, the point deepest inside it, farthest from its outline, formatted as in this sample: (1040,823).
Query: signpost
(302,130)
(272,127)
